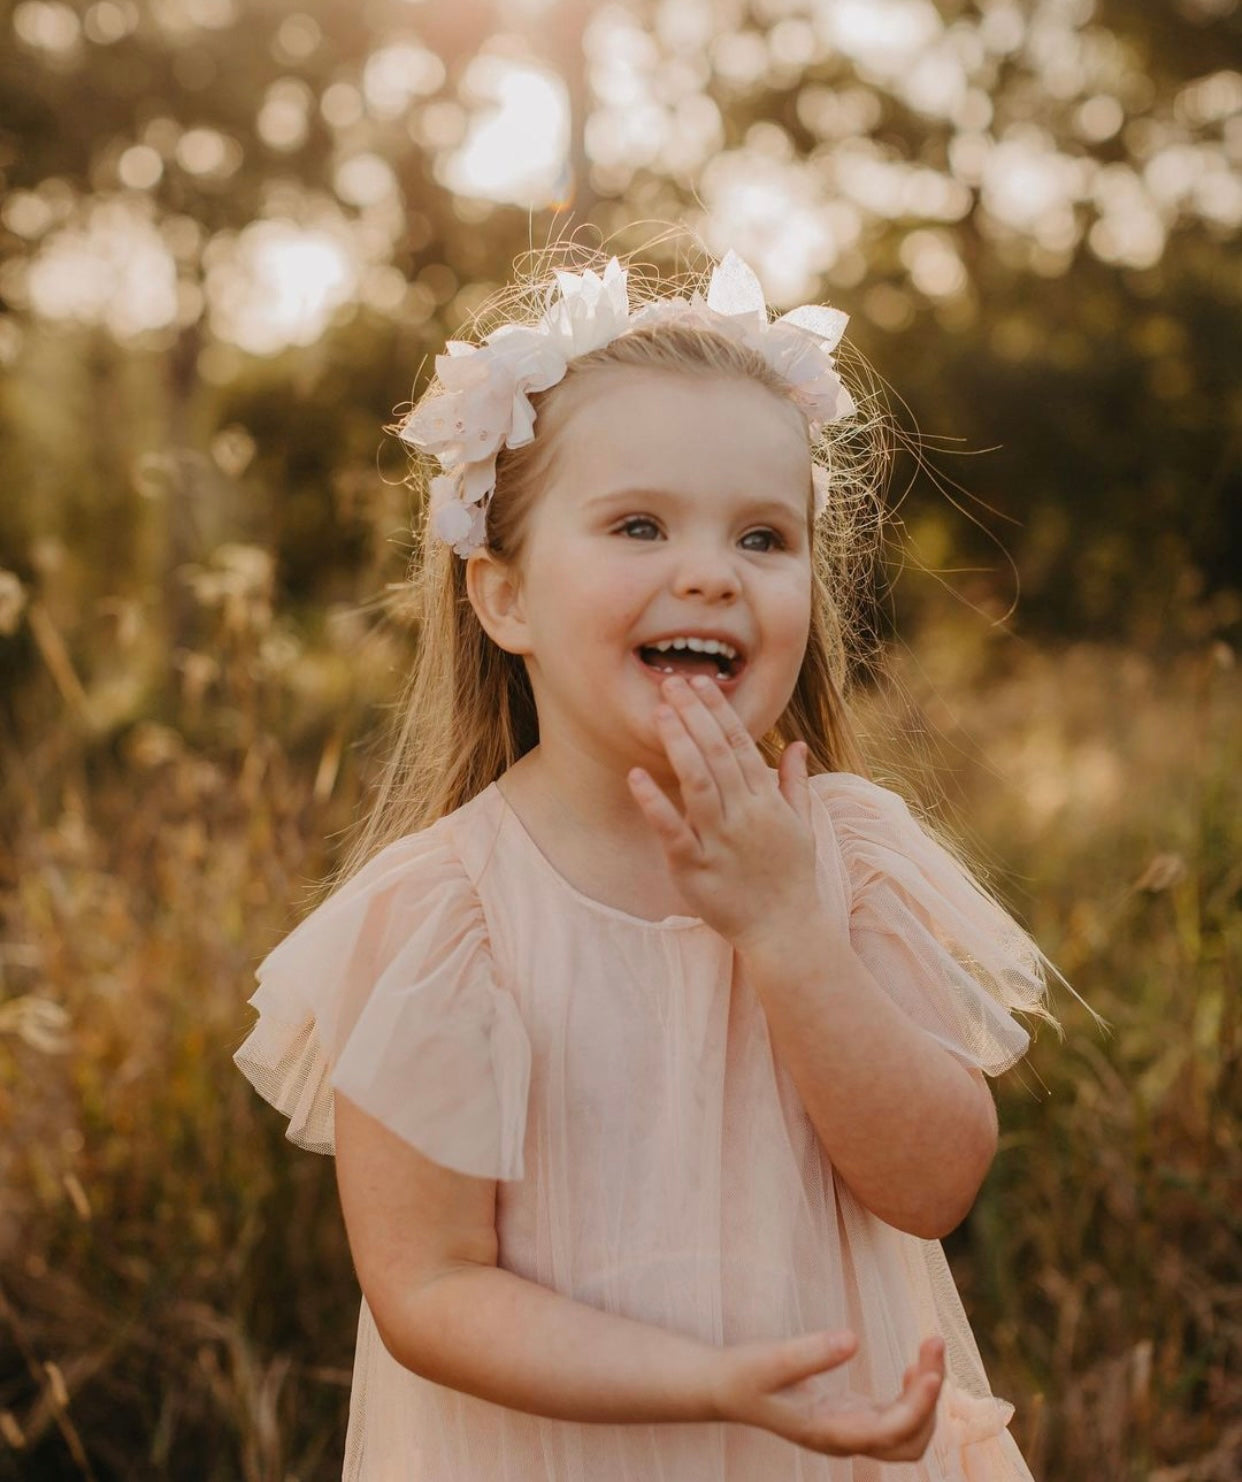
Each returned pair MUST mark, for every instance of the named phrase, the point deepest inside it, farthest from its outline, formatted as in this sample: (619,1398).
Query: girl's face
(676,507)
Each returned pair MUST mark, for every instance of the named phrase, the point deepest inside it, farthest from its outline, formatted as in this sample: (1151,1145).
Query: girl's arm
(909,1128)
(423,1239)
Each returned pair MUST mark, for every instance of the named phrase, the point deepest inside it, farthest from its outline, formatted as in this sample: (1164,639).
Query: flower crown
(484,403)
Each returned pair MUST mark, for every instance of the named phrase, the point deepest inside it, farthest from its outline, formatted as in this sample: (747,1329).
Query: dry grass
(177,1299)
(1102,1264)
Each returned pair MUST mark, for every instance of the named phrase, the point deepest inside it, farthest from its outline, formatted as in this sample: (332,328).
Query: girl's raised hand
(744,853)
(767,1385)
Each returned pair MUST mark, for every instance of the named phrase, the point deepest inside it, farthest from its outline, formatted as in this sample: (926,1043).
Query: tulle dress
(655,1160)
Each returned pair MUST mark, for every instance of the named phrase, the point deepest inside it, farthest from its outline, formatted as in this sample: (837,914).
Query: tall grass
(1102,1263)
(176,1294)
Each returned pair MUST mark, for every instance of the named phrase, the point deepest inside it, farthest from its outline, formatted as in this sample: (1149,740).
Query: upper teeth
(699,645)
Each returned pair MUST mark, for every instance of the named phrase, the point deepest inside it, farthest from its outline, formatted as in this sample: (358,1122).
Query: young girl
(654,1072)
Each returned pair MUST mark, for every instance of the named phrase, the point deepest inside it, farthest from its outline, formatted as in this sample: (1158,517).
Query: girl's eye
(628,525)
(775,541)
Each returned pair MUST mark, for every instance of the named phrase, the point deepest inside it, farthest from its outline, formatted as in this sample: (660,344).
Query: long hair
(468,713)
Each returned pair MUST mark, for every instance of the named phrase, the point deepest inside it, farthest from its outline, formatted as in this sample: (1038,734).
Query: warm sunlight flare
(773,214)
(278,284)
(111,268)
(518,137)
(1113,181)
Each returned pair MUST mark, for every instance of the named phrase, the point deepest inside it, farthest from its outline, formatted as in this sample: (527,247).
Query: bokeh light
(278,283)
(517,136)
(112,267)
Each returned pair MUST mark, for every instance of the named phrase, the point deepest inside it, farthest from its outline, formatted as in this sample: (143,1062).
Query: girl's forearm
(907,1126)
(491,1333)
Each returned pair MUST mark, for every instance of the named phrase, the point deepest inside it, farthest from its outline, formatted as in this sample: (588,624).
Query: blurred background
(232,239)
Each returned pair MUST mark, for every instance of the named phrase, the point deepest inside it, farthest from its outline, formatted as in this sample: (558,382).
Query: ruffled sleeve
(946,952)
(387,992)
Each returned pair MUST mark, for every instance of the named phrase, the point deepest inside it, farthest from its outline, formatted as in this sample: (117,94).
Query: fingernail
(701,682)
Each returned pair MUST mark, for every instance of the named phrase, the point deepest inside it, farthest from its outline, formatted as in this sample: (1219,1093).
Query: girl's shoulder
(445,852)
(933,934)
(851,792)
(415,898)
(862,810)
(386,991)
(882,841)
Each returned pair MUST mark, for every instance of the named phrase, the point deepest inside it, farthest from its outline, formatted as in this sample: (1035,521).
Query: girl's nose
(709,574)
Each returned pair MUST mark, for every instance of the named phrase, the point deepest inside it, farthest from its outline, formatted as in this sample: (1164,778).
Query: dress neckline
(665,923)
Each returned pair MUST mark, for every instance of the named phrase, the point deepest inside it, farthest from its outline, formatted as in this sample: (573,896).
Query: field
(177,1299)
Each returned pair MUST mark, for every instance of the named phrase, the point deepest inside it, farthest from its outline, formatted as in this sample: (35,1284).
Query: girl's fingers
(918,1441)
(931,1357)
(811,1354)
(879,1433)
(672,828)
(755,1377)
(700,791)
(772,1385)
(772,1367)
(898,1431)
(704,725)
(913,1410)
(921,1439)
(929,1361)
(746,755)
(794,781)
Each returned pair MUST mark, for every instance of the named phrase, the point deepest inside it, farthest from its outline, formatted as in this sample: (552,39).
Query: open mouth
(687,656)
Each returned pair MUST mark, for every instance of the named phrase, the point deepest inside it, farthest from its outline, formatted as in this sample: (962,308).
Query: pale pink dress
(656,1160)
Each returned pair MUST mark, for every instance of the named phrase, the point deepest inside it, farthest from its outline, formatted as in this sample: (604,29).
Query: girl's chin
(650,754)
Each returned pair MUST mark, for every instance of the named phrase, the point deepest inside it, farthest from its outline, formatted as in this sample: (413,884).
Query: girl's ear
(495,593)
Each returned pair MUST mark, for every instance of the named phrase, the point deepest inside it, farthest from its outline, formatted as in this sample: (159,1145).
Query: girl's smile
(718,655)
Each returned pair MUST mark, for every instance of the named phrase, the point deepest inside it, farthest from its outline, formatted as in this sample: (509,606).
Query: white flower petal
(462,375)
(825,400)
(442,488)
(591,312)
(452,522)
(477,534)
(478,480)
(735,288)
(828,325)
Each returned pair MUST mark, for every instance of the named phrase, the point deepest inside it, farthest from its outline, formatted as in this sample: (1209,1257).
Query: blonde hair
(468,713)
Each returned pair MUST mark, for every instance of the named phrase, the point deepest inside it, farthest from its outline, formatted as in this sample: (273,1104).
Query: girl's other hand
(766,1385)
(744,852)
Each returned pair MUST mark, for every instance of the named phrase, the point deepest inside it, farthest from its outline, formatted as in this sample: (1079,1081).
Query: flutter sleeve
(939,944)
(388,993)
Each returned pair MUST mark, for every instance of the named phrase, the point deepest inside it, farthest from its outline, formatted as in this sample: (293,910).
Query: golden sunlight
(517,137)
